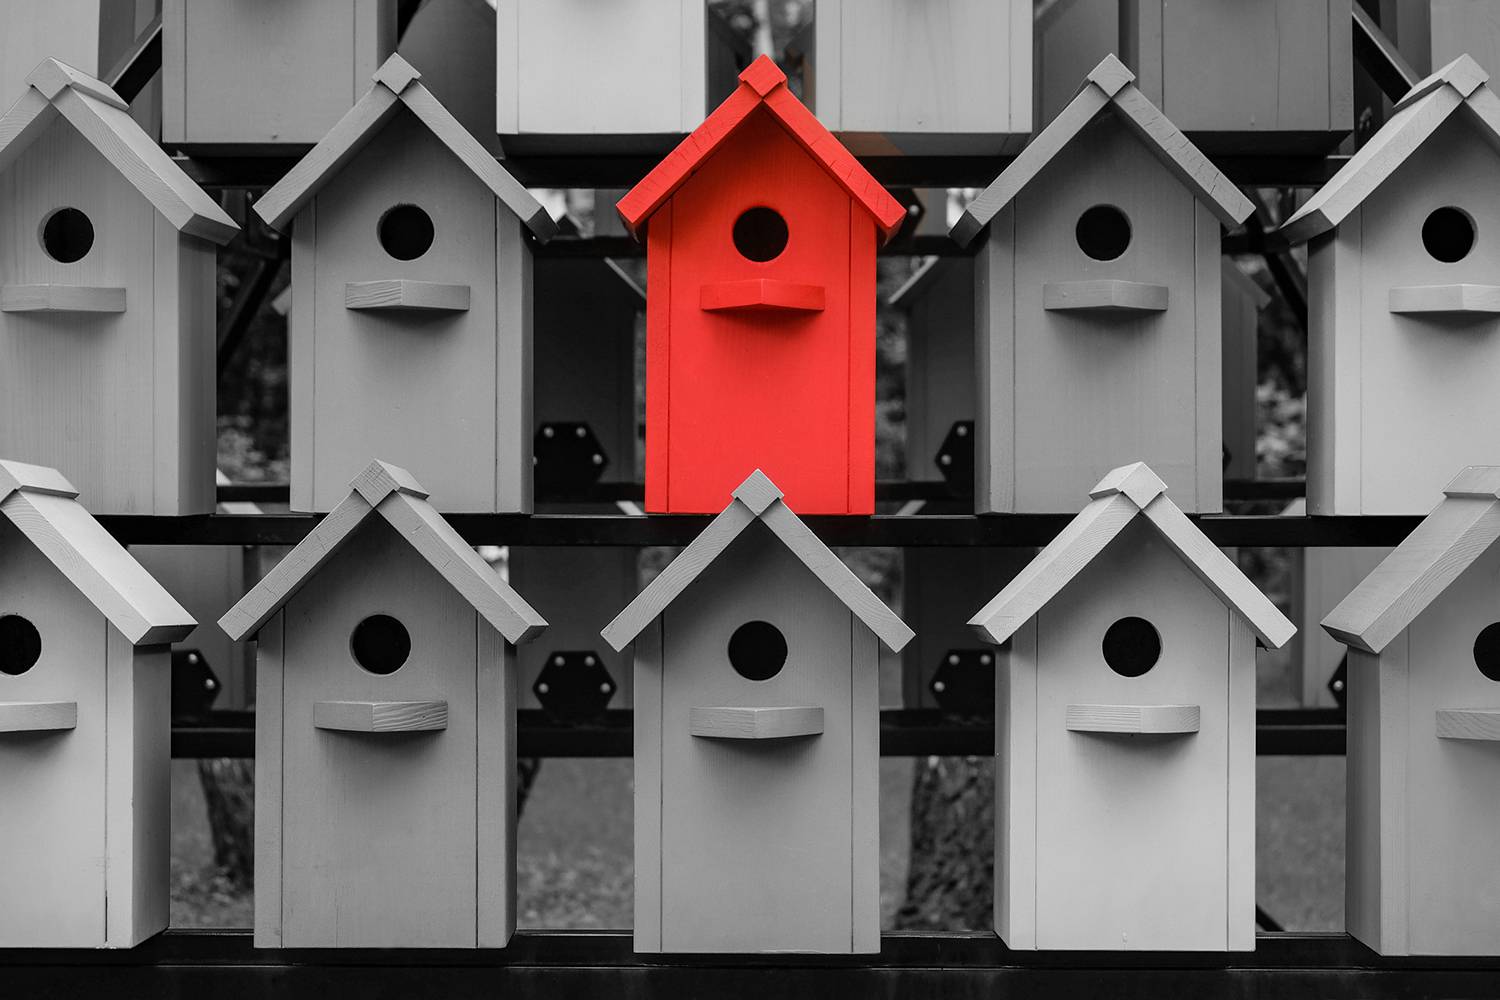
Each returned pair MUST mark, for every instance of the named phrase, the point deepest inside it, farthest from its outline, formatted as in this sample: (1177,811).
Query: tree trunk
(950,884)
(229,793)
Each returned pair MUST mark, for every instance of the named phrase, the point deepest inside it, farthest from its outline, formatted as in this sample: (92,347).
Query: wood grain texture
(61,298)
(1133,719)
(138,809)
(381,716)
(248,73)
(68,30)
(1241,785)
(766,723)
(1016,783)
(514,366)
(270,778)
(1107,294)
(1468,724)
(398,293)
(38,716)
(648,668)
(761,295)
(1462,298)
(33,478)
(302,356)
(1208,363)
(495,707)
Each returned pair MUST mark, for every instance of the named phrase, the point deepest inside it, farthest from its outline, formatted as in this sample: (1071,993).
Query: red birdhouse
(760,308)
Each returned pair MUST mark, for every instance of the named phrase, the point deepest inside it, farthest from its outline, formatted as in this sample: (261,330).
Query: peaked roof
(394,495)
(44,506)
(1128,492)
(1460,84)
(762,85)
(757,499)
(103,119)
(397,86)
(1460,529)
(1110,86)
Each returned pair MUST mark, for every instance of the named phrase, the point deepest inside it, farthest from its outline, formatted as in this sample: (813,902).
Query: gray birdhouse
(385,812)
(757,750)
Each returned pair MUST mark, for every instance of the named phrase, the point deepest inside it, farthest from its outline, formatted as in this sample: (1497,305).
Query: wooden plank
(659,310)
(69,30)
(138,810)
(1335,371)
(197,435)
(174,71)
(1016,788)
(399,293)
(761,295)
(380,716)
(995,362)
(37,716)
(1468,724)
(648,669)
(861,372)
(514,366)
(1208,363)
(1104,294)
(270,714)
(507,66)
(864,795)
(1240,783)
(1214,190)
(34,479)
(496,812)
(62,298)
(1136,719)
(302,354)
(741,723)
(1460,298)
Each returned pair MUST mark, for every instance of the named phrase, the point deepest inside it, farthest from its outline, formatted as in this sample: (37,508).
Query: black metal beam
(242,311)
(560,964)
(138,65)
(1380,58)
(917,531)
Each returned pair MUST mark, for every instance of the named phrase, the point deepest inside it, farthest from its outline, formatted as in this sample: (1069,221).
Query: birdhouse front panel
(1401,371)
(1074,391)
(1133,834)
(425,388)
(922,76)
(52,757)
(1451,664)
(757,851)
(247,72)
(734,384)
(106,373)
(378,828)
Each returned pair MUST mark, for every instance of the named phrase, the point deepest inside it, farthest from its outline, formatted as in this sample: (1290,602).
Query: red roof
(761,84)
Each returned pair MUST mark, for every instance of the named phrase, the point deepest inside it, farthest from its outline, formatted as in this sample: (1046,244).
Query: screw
(953,659)
(984,659)
(939,686)
(588,661)
(542,688)
(945,459)
(605,688)
(961,431)
(558,661)
(548,432)
(208,684)
(192,657)
(579,431)
(598,459)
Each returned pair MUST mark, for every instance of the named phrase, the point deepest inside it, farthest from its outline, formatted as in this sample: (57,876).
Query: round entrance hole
(760,234)
(757,651)
(1132,646)
(20,645)
(1103,232)
(1487,651)
(380,644)
(67,235)
(406,232)
(1448,234)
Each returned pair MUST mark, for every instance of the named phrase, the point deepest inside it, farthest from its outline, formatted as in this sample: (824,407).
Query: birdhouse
(1402,300)
(1125,733)
(85,737)
(411,322)
(1433,33)
(92,35)
(917,76)
(655,69)
(757,760)
(1098,271)
(761,233)
(385,731)
(587,317)
(246,76)
(1241,303)
(945,666)
(1424,665)
(106,287)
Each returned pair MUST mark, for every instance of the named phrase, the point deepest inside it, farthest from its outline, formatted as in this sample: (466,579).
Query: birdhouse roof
(762,85)
(397,85)
(1127,493)
(103,119)
(1110,87)
(1460,529)
(757,499)
(45,507)
(394,495)
(1460,84)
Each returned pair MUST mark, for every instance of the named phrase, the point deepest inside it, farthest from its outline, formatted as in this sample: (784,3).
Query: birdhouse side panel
(452,44)
(787,390)
(514,424)
(139,798)
(1456,28)
(67,30)
(269,779)
(539,93)
(1425,377)
(927,71)
(80,387)
(496,776)
(1095,388)
(52,831)
(416,388)
(1376,892)
(186,438)
(1070,39)
(258,73)
(1453,877)
(379,828)
(1335,373)
(1132,832)
(731,884)
(1016,770)
(995,367)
